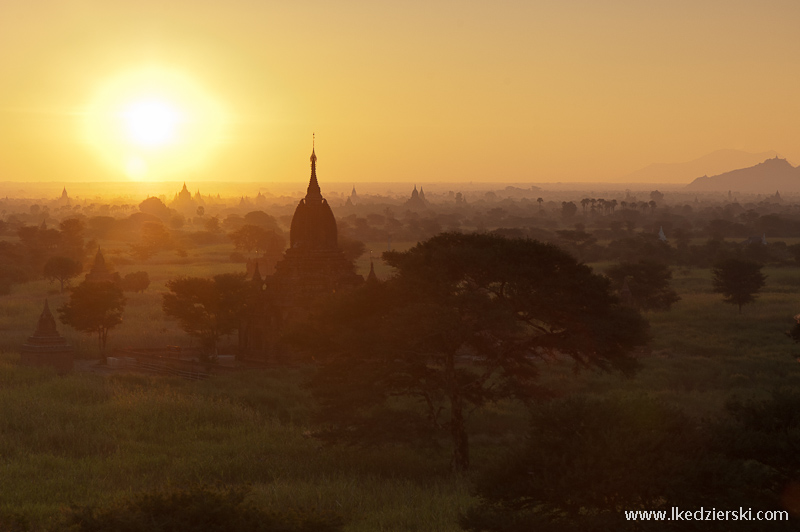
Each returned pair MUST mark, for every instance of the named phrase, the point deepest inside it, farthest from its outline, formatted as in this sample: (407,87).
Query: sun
(154,123)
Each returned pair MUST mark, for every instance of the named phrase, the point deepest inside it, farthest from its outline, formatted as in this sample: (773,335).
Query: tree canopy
(206,308)
(135,282)
(254,237)
(61,269)
(463,322)
(648,281)
(738,281)
(94,307)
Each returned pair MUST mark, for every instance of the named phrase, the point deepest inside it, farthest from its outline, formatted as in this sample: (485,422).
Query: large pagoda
(312,268)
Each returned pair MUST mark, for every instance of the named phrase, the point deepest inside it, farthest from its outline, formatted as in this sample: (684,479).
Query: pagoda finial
(313,193)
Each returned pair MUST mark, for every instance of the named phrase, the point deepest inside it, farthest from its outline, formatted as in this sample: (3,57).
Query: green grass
(87,439)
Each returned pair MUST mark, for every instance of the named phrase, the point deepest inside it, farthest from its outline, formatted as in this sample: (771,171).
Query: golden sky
(417,91)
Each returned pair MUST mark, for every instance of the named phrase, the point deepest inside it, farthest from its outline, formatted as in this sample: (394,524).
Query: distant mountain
(764,178)
(712,164)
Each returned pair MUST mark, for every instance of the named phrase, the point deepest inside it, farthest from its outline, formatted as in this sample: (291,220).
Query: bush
(199,509)
(587,460)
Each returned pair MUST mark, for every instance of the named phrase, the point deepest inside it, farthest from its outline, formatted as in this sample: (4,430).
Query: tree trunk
(102,337)
(458,431)
(459,434)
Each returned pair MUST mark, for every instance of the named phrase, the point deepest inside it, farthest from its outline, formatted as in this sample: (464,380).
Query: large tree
(207,308)
(648,281)
(464,321)
(738,281)
(253,237)
(61,269)
(94,308)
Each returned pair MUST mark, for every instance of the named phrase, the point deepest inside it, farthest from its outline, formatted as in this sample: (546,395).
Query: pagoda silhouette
(312,268)
(46,347)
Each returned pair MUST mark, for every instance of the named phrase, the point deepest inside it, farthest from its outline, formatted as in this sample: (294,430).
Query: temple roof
(313,224)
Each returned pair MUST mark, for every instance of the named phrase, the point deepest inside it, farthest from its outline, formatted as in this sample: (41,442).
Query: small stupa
(46,347)
(99,272)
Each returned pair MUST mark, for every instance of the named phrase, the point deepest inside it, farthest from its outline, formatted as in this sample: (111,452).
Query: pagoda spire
(313,193)
(371,277)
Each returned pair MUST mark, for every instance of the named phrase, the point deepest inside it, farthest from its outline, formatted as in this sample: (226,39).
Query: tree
(61,269)
(206,308)
(253,237)
(94,307)
(72,238)
(738,281)
(156,207)
(263,220)
(155,237)
(351,247)
(568,210)
(135,282)
(648,281)
(463,322)
(212,225)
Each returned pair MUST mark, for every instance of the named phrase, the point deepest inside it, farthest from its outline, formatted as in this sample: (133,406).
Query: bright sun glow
(154,123)
(151,122)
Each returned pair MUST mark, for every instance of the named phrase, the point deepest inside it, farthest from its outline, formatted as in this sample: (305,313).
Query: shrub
(199,509)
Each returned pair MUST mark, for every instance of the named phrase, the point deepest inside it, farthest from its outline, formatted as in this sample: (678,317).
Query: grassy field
(92,439)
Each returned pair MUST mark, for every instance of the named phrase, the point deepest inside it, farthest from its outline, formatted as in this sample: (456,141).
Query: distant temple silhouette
(100,272)
(45,347)
(311,268)
(417,200)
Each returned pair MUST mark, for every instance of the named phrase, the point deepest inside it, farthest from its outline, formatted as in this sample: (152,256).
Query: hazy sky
(396,91)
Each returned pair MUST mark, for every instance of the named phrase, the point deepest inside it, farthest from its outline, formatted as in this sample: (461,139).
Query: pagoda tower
(46,347)
(313,266)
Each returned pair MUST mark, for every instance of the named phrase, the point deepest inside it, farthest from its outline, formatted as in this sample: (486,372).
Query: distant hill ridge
(768,177)
(713,163)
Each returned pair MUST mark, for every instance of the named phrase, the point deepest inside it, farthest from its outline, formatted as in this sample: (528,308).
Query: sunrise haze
(470,91)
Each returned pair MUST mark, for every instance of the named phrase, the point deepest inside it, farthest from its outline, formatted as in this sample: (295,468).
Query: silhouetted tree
(463,323)
(738,281)
(12,266)
(135,282)
(61,269)
(155,237)
(253,237)
(206,308)
(648,281)
(568,210)
(351,247)
(94,308)
(263,220)
(156,207)
(212,225)
(72,244)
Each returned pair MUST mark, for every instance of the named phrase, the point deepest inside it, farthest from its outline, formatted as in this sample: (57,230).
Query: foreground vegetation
(89,451)
(92,440)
